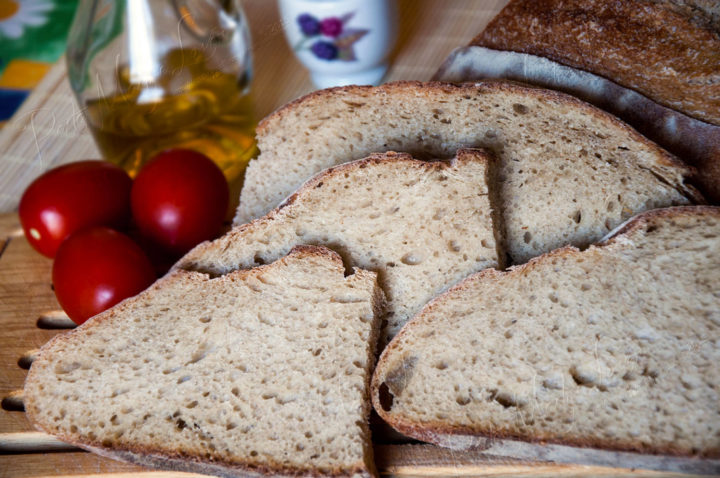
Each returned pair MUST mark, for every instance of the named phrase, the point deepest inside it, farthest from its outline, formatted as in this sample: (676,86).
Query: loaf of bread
(614,347)
(567,172)
(423,226)
(667,50)
(258,372)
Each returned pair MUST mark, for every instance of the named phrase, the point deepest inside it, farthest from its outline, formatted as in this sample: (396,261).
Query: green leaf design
(349,37)
(346,54)
(302,44)
(347,17)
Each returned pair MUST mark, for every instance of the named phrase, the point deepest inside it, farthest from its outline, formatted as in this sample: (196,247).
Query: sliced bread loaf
(567,172)
(615,347)
(423,226)
(256,372)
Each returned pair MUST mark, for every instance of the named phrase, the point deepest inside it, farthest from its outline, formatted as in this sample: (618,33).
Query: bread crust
(398,89)
(679,51)
(178,461)
(462,437)
(463,155)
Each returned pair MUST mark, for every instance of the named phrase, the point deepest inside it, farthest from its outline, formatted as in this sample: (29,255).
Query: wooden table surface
(48,131)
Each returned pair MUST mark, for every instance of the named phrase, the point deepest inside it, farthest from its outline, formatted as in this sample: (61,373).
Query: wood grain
(31,442)
(61,464)
(25,294)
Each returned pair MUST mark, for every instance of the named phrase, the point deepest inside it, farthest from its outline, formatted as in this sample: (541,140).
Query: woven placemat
(49,130)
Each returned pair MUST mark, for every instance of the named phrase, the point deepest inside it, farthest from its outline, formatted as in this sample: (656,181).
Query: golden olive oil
(190,106)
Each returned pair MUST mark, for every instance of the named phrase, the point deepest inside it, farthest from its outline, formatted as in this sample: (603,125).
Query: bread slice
(423,226)
(669,50)
(256,372)
(614,347)
(692,140)
(568,172)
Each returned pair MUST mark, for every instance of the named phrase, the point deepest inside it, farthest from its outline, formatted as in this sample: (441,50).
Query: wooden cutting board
(30,316)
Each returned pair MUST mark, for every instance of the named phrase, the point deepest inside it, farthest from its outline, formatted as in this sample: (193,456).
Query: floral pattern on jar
(330,38)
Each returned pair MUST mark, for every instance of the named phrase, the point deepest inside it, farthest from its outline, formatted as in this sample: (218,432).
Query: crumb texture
(265,369)
(616,346)
(695,141)
(423,226)
(567,173)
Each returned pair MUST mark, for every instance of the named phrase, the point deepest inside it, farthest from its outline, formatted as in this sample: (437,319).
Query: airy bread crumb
(423,226)
(256,372)
(613,347)
(567,172)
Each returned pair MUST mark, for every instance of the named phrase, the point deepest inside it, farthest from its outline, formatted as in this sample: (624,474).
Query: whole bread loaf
(667,50)
(614,347)
(258,372)
(567,172)
(423,226)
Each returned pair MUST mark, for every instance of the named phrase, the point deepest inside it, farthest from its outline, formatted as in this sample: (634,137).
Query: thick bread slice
(568,172)
(614,347)
(256,372)
(692,140)
(423,226)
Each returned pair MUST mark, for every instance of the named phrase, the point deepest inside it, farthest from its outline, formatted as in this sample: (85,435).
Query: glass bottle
(151,75)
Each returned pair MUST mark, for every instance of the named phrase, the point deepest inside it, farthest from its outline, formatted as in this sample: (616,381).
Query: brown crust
(441,433)
(180,461)
(462,155)
(679,54)
(418,88)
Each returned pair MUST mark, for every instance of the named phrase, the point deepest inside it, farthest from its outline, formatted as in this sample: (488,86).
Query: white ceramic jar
(341,42)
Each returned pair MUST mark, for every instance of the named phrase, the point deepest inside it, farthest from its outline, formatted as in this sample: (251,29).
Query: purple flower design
(308,24)
(331,27)
(334,40)
(324,50)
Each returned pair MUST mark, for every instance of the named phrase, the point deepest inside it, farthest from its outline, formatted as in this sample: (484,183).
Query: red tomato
(96,268)
(179,199)
(73,196)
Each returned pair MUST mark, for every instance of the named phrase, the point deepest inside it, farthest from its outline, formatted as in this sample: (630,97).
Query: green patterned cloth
(32,37)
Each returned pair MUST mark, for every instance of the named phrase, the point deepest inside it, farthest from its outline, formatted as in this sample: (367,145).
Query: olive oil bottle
(152,75)
(209,113)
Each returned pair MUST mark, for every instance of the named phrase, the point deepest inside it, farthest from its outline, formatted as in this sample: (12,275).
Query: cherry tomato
(73,196)
(97,267)
(179,199)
